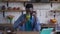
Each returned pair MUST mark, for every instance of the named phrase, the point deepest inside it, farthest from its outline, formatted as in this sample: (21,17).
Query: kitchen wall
(42,9)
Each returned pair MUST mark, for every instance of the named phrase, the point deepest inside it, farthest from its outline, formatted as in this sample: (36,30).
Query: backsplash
(42,9)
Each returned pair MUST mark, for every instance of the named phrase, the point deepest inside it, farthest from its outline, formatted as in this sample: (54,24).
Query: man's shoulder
(23,15)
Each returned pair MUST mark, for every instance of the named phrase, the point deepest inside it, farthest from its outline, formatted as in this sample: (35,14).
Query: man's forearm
(24,21)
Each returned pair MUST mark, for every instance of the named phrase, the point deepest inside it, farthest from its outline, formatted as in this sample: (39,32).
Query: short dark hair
(29,6)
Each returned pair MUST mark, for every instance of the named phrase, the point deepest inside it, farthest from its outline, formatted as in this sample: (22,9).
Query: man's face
(29,10)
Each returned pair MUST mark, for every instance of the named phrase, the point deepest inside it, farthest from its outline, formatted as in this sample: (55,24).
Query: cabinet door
(45,1)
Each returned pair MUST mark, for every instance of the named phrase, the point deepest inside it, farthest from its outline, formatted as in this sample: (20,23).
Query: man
(27,22)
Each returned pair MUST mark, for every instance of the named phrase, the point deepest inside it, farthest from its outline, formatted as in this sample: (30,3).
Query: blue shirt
(24,27)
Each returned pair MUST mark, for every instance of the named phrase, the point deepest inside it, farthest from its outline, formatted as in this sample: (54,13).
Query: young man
(27,22)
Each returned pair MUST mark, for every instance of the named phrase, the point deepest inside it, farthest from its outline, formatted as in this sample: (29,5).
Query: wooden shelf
(25,1)
(15,0)
(48,25)
(55,10)
(55,1)
(11,10)
(6,24)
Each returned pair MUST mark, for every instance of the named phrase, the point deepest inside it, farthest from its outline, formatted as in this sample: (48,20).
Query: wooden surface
(26,32)
(15,0)
(23,32)
(55,1)
(6,24)
(11,10)
(30,32)
(57,10)
(48,25)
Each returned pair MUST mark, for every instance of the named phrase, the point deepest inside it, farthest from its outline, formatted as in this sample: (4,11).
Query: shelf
(55,1)
(15,0)
(6,24)
(26,1)
(11,10)
(48,25)
(55,10)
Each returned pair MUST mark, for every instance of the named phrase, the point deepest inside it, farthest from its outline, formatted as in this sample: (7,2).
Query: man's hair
(29,6)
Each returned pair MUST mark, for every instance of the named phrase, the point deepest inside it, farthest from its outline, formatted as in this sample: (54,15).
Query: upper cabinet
(16,0)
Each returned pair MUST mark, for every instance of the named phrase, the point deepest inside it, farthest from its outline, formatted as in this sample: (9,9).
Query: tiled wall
(43,12)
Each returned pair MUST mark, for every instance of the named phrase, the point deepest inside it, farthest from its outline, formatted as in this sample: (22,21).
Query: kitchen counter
(30,32)
(22,32)
(27,32)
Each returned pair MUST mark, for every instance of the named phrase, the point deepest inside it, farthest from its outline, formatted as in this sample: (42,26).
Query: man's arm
(23,22)
(38,25)
(18,21)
